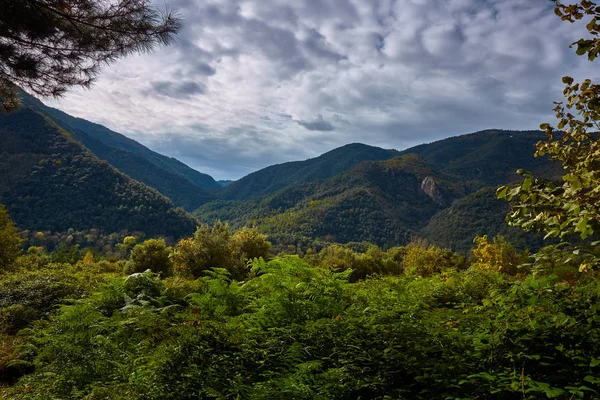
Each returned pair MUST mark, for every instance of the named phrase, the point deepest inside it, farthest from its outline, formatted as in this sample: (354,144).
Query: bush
(422,259)
(499,255)
(252,244)
(211,247)
(152,254)
(375,261)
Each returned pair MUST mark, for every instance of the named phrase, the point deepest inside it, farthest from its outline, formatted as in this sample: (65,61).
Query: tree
(252,244)
(47,46)
(152,254)
(211,247)
(570,207)
(499,255)
(10,240)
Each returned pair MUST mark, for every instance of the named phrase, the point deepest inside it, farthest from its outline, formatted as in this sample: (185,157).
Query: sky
(250,83)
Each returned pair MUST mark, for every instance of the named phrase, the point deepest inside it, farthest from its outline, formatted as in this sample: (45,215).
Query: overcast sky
(251,83)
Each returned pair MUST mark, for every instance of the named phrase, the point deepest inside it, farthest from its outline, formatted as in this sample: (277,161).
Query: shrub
(252,244)
(422,259)
(211,247)
(152,254)
(499,255)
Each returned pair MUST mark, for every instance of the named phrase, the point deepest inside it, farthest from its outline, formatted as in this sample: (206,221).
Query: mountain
(50,181)
(276,177)
(185,186)
(383,202)
(432,190)
(488,158)
(479,213)
(225,183)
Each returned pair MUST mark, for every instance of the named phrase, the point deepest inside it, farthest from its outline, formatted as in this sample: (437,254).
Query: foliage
(423,259)
(10,241)
(576,12)
(252,244)
(499,255)
(373,261)
(49,45)
(300,332)
(153,255)
(210,247)
(571,207)
(31,293)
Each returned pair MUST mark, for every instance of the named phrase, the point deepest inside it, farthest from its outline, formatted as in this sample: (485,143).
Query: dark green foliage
(276,177)
(300,332)
(480,213)
(152,254)
(68,254)
(64,186)
(10,241)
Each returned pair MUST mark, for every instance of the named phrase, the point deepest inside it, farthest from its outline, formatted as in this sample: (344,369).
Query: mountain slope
(488,158)
(383,202)
(479,213)
(184,186)
(379,201)
(277,177)
(49,181)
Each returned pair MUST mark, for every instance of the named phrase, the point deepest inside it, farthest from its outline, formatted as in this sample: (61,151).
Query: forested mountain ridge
(478,213)
(383,202)
(276,177)
(185,186)
(488,158)
(369,203)
(49,181)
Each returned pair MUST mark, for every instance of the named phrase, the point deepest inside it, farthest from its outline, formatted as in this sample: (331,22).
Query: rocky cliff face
(429,187)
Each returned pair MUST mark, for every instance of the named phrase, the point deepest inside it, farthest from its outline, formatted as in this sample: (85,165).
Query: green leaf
(501,192)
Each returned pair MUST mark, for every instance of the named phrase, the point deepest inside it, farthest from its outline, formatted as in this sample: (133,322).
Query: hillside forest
(466,268)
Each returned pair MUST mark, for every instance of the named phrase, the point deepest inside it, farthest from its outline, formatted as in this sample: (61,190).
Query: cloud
(178,90)
(242,85)
(319,124)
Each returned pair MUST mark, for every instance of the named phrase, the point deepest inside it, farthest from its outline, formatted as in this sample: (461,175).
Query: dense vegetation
(218,315)
(379,202)
(186,187)
(50,182)
(479,213)
(390,202)
(207,319)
